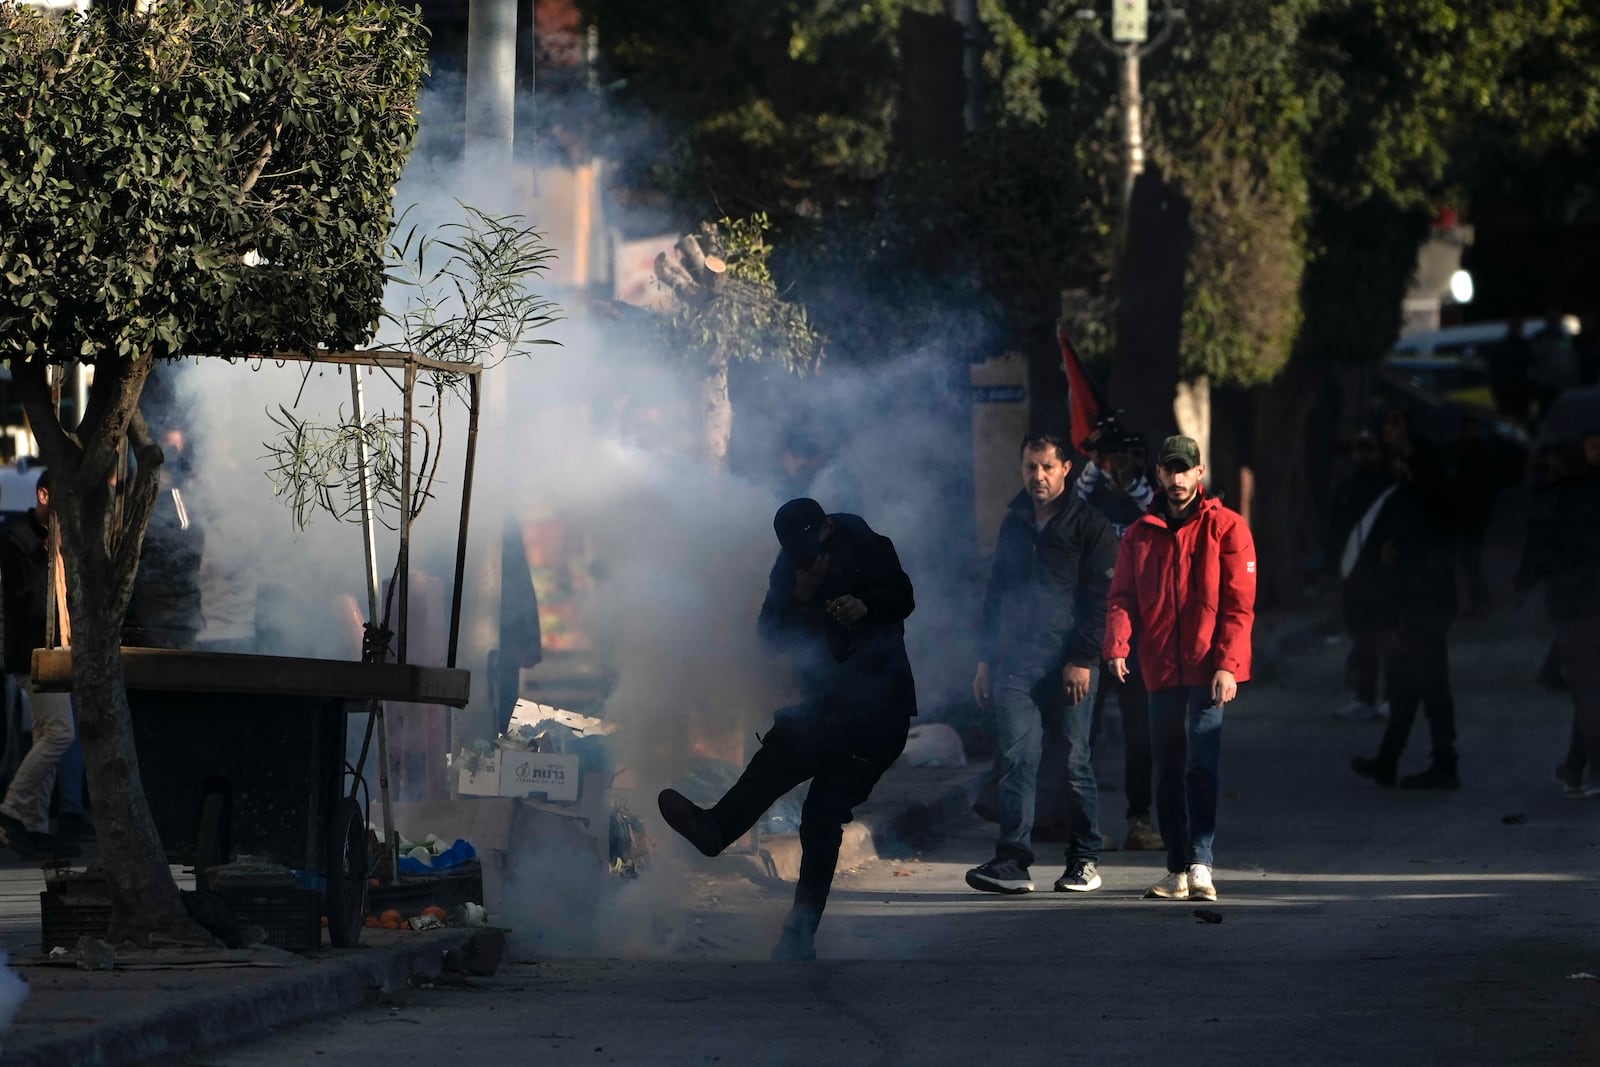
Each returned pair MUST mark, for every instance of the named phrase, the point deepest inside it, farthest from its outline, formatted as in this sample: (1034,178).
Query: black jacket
(1045,606)
(24,576)
(1563,550)
(866,666)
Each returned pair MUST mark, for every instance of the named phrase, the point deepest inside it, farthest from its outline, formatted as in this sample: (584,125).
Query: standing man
(1115,482)
(1417,551)
(1043,618)
(1186,584)
(836,602)
(25,551)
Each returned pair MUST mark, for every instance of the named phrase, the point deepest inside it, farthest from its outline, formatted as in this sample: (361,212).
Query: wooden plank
(182,671)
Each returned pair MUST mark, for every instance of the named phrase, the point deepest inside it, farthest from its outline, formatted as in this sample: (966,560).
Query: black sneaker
(1435,777)
(1379,770)
(1081,876)
(17,838)
(693,823)
(1000,876)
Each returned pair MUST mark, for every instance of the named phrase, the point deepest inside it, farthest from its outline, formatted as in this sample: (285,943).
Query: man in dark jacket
(837,600)
(1186,586)
(1043,616)
(1415,542)
(1563,554)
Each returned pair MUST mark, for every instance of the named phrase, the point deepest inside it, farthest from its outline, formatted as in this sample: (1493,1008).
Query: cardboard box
(552,773)
(480,777)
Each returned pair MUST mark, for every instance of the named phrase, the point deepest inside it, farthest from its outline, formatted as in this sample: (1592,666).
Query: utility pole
(1131,41)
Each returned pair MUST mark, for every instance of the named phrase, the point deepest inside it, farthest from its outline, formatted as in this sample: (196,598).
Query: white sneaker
(1175,886)
(1200,887)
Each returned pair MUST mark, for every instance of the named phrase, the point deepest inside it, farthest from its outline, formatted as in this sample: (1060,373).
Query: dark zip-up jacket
(865,667)
(1045,606)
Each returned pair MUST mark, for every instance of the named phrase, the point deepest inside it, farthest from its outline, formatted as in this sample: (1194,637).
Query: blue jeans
(1186,737)
(1024,710)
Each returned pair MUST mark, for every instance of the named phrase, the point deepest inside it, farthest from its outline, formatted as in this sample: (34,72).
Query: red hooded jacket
(1189,592)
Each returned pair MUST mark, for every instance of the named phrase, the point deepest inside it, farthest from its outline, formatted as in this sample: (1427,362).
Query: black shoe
(1000,876)
(1379,770)
(1081,876)
(693,823)
(794,947)
(1437,776)
(16,837)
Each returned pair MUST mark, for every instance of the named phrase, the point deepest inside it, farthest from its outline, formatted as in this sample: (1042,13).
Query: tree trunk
(716,411)
(1282,451)
(1150,283)
(145,901)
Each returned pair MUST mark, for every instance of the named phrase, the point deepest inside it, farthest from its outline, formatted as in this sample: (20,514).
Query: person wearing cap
(836,603)
(1186,584)
(1043,616)
(1116,483)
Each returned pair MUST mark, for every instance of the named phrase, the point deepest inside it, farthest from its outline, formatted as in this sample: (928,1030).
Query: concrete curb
(318,988)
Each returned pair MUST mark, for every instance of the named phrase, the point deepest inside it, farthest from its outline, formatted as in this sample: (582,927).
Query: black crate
(291,916)
(66,917)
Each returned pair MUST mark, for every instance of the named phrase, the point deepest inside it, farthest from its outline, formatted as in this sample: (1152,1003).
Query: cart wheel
(213,839)
(346,870)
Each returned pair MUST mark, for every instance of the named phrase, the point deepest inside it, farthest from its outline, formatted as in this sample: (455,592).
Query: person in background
(1116,483)
(1510,363)
(1415,541)
(1562,553)
(837,600)
(25,578)
(1185,589)
(1367,618)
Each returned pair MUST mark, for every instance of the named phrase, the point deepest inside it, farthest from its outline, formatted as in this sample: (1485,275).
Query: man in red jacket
(1186,583)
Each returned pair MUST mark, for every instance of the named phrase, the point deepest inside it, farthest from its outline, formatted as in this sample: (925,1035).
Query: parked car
(1452,362)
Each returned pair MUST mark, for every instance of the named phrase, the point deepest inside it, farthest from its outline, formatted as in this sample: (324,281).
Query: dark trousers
(1579,642)
(1364,665)
(1417,663)
(1133,703)
(843,755)
(1186,730)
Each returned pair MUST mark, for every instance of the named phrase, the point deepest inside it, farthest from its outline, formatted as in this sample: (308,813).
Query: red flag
(1084,402)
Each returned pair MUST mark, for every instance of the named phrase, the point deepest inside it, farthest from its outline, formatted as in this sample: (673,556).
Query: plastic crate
(65,917)
(413,892)
(292,917)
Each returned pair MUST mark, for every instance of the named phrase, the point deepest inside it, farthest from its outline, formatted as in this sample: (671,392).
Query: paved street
(1359,926)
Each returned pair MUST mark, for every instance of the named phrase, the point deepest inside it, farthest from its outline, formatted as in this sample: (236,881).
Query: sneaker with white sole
(1175,886)
(1081,876)
(1200,885)
(1000,876)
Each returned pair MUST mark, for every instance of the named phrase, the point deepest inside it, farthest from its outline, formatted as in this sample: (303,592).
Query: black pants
(1364,665)
(1417,664)
(843,755)
(1133,703)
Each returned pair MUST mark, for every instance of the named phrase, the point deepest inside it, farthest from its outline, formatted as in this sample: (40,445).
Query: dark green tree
(146,162)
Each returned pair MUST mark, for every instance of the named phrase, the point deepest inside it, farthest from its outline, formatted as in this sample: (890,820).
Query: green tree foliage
(146,161)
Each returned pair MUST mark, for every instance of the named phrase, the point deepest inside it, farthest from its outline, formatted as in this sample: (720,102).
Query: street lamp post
(1131,41)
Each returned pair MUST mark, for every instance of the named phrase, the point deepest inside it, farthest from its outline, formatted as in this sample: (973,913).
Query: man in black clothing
(1415,541)
(1353,510)
(1043,617)
(837,600)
